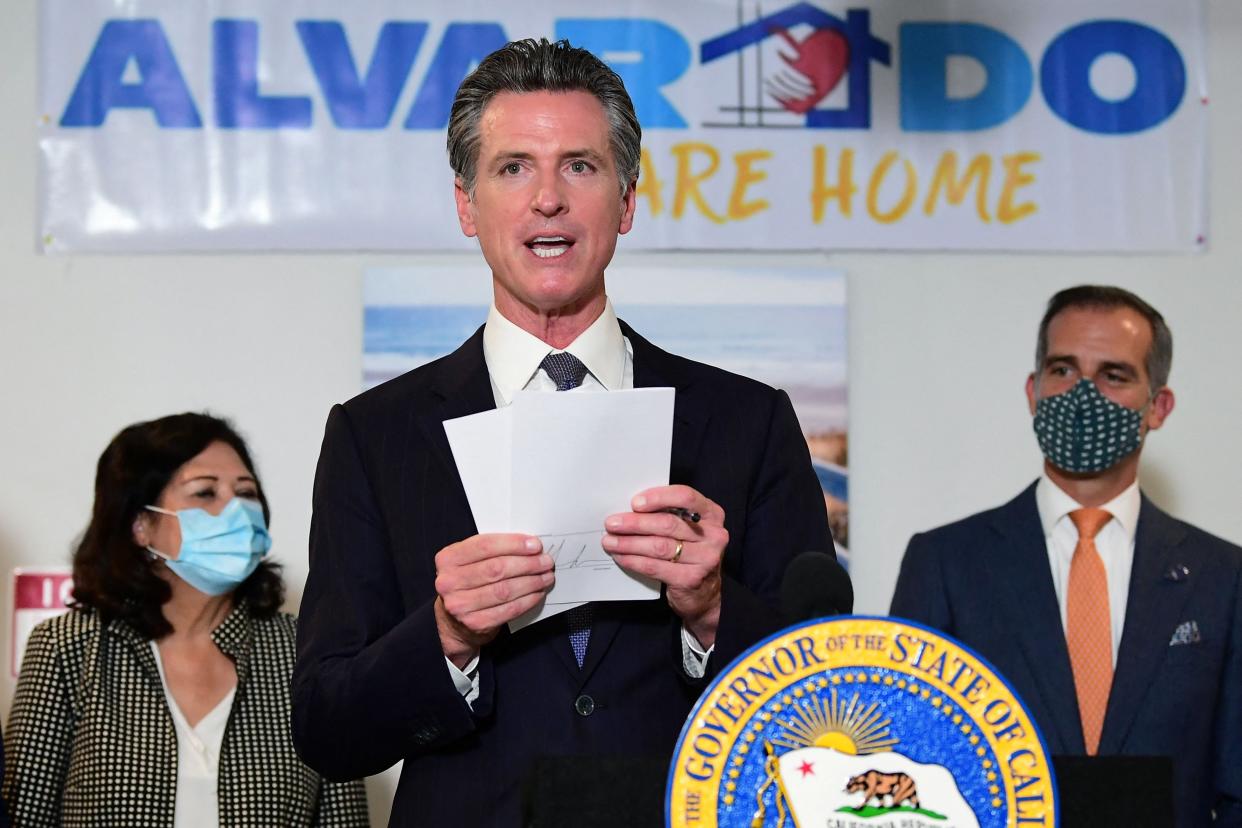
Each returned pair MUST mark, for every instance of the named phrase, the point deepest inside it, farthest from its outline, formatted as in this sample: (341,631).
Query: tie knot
(565,369)
(1089,521)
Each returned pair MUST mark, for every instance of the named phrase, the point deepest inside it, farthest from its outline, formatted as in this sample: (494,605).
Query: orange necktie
(1088,626)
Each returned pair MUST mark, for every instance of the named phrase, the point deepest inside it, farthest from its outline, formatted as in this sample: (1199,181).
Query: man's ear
(629,203)
(1030,393)
(1161,407)
(465,209)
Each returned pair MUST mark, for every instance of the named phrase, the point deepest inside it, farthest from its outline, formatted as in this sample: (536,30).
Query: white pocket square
(1186,633)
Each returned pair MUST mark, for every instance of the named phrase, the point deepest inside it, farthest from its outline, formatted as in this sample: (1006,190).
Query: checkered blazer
(91,742)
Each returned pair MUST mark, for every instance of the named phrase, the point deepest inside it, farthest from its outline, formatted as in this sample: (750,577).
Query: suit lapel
(1154,605)
(653,368)
(1023,577)
(140,648)
(461,387)
(605,625)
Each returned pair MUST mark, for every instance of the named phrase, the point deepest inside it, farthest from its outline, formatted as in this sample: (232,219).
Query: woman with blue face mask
(162,697)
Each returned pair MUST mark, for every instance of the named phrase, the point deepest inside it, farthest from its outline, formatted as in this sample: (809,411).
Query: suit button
(585,705)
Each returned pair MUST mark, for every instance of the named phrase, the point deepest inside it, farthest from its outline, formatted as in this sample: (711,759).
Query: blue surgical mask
(218,552)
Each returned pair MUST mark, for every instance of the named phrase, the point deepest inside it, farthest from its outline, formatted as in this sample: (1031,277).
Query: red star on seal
(805,768)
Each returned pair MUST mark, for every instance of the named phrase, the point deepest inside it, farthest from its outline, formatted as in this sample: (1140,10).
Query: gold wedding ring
(677,553)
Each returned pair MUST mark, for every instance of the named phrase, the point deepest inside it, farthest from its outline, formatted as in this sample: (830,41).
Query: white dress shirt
(198,758)
(1114,542)
(513,356)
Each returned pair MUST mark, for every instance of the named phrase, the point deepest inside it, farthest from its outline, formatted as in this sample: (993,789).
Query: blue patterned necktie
(567,371)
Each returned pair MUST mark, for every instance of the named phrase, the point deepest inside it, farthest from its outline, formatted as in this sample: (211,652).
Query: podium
(1114,791)
(628,792)
(600,791)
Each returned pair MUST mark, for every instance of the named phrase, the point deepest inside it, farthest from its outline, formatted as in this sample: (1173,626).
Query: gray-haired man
(403,651)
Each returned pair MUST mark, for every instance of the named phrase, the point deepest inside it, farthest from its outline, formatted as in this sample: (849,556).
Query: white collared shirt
(513,356)
(1114,542)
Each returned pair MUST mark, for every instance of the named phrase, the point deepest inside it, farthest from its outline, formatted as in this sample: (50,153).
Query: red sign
(38,594)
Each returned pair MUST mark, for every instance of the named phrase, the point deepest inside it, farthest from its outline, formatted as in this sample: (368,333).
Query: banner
(860,124)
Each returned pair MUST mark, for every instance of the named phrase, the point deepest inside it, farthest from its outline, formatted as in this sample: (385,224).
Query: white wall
(939,348)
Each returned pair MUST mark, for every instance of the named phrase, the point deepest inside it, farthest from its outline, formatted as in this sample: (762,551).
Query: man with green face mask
(1120,626)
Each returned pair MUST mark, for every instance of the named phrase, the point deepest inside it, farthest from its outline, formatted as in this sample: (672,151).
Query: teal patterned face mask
(1084,431)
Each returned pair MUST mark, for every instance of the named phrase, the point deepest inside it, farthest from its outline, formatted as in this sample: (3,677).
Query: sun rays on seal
(846,727)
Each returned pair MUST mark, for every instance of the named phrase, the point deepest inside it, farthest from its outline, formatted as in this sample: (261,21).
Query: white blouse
(198,758)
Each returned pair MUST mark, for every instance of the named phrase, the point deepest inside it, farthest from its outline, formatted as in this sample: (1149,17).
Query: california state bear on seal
(898,787)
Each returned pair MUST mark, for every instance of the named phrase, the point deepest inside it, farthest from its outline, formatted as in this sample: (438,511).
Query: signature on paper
(578,550)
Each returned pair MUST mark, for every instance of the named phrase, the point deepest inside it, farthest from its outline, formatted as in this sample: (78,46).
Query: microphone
(816,585)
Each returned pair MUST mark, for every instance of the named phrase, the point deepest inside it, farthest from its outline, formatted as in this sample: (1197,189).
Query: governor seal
(860,723)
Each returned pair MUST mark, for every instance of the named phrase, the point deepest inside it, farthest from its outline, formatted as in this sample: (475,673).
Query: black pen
(684,514)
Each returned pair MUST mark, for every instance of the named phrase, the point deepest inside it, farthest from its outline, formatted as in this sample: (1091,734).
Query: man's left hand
(684,555)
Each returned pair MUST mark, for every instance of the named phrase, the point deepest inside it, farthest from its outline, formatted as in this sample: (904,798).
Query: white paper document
(555,465)
(481,445)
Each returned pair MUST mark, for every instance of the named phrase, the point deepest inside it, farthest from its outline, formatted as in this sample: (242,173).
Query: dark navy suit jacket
(371,686)
(986,581)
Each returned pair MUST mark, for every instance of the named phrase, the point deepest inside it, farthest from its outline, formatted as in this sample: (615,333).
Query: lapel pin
(1177,573)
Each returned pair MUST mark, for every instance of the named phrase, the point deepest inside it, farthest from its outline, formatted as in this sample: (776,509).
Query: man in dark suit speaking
(1120,626)
(403,652)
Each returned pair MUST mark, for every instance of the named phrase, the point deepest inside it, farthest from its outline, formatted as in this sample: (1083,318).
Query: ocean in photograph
(399,338)
(801,349)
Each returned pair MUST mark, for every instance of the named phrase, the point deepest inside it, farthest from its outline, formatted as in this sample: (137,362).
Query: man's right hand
(482,583)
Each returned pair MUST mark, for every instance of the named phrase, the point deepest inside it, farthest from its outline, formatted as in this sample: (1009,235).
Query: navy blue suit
(371,686)
(986,581)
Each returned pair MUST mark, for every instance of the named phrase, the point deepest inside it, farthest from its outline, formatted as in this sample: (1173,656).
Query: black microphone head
(816,585)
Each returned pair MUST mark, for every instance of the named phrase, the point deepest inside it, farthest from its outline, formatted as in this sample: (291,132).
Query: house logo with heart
(799,63)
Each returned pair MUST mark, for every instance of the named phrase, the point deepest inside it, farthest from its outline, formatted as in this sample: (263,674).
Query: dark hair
(541,66)
(1159,360)
(111,573)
